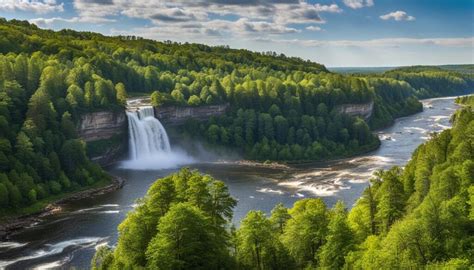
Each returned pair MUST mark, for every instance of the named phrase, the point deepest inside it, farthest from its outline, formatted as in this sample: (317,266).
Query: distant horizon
(440,65)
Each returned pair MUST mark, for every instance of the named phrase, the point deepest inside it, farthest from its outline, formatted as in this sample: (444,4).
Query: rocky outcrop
(102,125)
(174,115)
(111,153)
(363,110)
(106,135)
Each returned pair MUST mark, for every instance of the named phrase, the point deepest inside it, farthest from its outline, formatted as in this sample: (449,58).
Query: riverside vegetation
(418,217)
(281,108)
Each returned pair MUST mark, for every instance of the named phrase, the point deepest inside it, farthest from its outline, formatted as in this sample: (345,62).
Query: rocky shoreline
(16,224)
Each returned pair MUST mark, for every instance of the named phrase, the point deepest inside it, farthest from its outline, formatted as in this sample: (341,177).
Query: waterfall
(147,135)
(149,144)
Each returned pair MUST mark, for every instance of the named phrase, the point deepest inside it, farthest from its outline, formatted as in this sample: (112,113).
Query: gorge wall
(363,110)
(174,115)
(105,133)
(101,125)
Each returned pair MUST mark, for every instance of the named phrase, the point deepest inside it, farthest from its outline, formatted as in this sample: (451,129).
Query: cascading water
(149,144)
(147,135)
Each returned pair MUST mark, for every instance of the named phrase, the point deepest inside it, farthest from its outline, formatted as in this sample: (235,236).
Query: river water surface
(69,239)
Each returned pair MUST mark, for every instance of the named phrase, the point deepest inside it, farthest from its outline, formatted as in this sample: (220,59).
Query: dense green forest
(281,108)
(435,81)
(421,216)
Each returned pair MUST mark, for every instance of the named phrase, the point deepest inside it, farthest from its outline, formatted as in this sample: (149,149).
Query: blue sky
(336,33)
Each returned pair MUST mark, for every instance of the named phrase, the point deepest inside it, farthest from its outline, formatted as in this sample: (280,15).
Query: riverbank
(14,224)
(253,163)
(288,164)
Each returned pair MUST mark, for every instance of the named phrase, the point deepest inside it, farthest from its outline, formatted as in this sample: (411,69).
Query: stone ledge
(176,115)
(363,110)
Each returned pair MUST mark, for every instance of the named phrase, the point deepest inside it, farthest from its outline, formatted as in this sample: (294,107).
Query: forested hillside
(435,81)
(281,108)
(418,217)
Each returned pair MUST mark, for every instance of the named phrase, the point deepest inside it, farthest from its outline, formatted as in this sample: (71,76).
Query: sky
(336,33)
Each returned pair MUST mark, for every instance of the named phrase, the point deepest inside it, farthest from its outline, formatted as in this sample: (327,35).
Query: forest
(281,108)
(417,217)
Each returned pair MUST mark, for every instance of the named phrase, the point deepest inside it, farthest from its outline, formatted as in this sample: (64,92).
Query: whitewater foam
(53,249)
(50,265)
(159,161)
(11,245)
(269,190)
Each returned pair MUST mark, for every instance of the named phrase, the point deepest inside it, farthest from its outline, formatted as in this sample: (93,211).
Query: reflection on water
(70,238)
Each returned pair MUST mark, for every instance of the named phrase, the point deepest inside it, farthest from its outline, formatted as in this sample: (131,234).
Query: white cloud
(328,8)
(250,17)
(355,4)
(384,42)
(397,16)
(313,28)
(298,14)
(36,6)
(47,22)
(245,26)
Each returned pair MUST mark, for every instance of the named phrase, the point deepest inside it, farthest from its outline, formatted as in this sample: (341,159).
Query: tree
(178,97)
(67,126)
(279,217)
(158,99)
(257,245)
(24,148)
(306,231)
(75,96)
(362,216)
(339,240)
(121,94)
(103,259)
(72,154)
(135,233)
(194,100)
(213,133)
(4,198)
(391,198)
(183,241)
(281,127)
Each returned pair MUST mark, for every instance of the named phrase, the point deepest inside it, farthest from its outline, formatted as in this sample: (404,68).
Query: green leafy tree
(339,240)
(306,231)
(183,241)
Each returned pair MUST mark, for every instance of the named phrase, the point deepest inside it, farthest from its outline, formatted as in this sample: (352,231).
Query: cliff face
(101,125)
(173,115)
(362,110)
(106,135)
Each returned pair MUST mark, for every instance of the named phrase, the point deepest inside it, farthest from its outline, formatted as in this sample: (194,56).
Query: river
(69,239)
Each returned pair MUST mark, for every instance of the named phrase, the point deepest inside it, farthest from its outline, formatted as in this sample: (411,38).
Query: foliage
(180,224)
(434,81)
(412,218)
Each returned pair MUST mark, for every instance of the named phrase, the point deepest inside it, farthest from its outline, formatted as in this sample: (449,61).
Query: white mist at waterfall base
(149,144)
